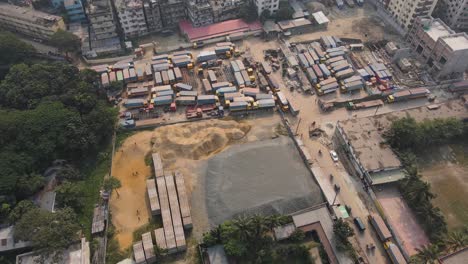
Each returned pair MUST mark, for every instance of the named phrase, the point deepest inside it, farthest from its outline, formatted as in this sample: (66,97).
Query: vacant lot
(446,168)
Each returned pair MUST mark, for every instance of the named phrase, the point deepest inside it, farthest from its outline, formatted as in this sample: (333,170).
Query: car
(360,224)
(334,156)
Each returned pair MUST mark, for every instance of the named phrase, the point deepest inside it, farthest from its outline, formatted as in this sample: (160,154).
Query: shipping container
(292,61)
(139,253)
(186,100)
(171,76)
(311,75)
(335,59)
(183,87)
(238,106)
(183,200)
(303,61)
(178,74)
(126,75)
(165,77)
(212,76)
(222,91)
(341,66)
(162,100)
(234,66)
(283,102)
(327,81)
(207,86)
(266,67)
(161,88)
(223,44)
(160,57)
(148,72)
(340,75)
(335,54)
(241,65)
(138,92)
(164,93)
(231,96)
(187,93)
(318,72)
(135,103)
(293,108)
(207,99)
(182,53)
(251,91)
(352,79)
(239,79)
(246,77)
(263,96)
(353,86)
(247,99)
(216,86)
(395,254)
(266,103)
(158,78)
(206,56)
(161,67)
(159,62)
(325,71)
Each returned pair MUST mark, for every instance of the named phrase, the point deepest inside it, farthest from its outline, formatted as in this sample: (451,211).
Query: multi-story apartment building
(225,9)
(132,17)
(75,11)
(454,13)
(172,11)
(200,12)
(270,5)
(444,51)
(29,22)
(152,15)
(405,11)
(103,27)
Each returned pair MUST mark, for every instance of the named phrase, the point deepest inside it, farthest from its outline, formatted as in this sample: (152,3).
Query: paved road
(40,47)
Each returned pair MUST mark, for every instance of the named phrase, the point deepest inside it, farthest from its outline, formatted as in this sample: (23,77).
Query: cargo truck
(303,61)
(318,72)
(309,59)
(239,79)
(164,93)
(223,49)
(340,67)
(207,99)
(239,106)
(171,75)
(222,91)
(158,78)
(161,88)
(282,101)
(212,76)
(241,65)
(207,86)
(266,68)
(459,87)
(105,79)
(178,74)
(234,66)
(187,93)
(246,77)
(329,88)
(186,100)
(364,105)
(181,53)
(251,91)
(126,75)
(182,62)
(274,86)
(161,67)
(141,91)
(335,59)
(263,96)
(408,94)
(160,57)
(266,103)
(340,75)
(293,108)
(135,103)
(314,56)
(380,227)
(311,75)
(247,99)
(165,77)
(231,96)
(206,56)
(351,79)
(162,100)
(216,86)
(352,86)
(394,253)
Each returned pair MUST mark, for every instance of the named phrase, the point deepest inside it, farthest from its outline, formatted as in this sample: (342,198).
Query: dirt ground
(446,169)
(130,168)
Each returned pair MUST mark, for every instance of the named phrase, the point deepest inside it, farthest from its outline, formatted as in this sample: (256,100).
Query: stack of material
(148,247)
(138,253)
(153,197)
(166,215)
(175,210)
(157,163)
(184,204)
(160,238)
(99,218)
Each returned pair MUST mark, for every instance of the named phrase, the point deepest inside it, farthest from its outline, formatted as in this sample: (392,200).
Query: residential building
(76,254)
(270,5)
(200,12)
(132,17)
(444,51)
(57,3)
(29,22)
(152,15)
(7,240)
(457,257)
(75,11)
(454,13)
(103,37)
(172,12)
(225,9)
(405,11)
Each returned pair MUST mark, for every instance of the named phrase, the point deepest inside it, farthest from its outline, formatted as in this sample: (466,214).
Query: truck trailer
(408,94)
(380,226)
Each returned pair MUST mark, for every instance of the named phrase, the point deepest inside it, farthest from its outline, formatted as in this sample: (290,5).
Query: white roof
(320,18)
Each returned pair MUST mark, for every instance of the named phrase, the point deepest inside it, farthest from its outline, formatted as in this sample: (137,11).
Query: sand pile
(196,141)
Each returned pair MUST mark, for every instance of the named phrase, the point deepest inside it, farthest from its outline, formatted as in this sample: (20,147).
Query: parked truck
(380,227)
(207,86)
(251,92)
(340,75)
(293,108)
(135,103)
(186,100)
(183,87)
(352,86)
(311,75)
(329,88)
(394,253)
(282,101)
(222,91)
(408,94)
(318,72)
(239,79)
(239,106)
(364,105)
(216,86)
(187,93)
(162,100)
(266,103)
(266,68)
(207,99)
(206,56)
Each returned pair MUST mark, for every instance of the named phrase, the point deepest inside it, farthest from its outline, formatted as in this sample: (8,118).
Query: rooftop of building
(29,14)
(75,254)
(366,135)
(218,29)
(128,4)
(95,7)
(457,257)
(320,18)
(457,41)
(68,3)
(293,23)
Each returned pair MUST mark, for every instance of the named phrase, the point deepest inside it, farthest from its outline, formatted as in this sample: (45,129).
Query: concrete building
(225,9)
(454,13)
(152,15)
(103,28)
(405,11)
(7,241)
(29,22)
(445,51)
(270,5)
(200,12)
(457,257)
(132,17)
(172,12)
(75,11)
(76,254)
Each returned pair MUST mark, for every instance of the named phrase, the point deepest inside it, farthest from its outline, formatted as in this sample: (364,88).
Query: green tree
(427,254)
(28,185)
(285,11)
(455,240)
(248,11)
(265,15)
(68,173)
(49,233)
(20,209)
(343,231)
(70,195)
(65,41)
(111,183)
(12,49)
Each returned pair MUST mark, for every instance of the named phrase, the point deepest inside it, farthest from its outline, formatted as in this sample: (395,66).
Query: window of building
(443,60)
(4,242)
(419,49)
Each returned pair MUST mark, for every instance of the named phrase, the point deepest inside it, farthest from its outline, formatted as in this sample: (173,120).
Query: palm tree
(455,241)
(112,183)
(244,228)
(427,254)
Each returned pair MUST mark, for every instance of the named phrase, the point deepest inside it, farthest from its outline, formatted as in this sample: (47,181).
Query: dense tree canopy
(65,41)
(12,49)
(248,11)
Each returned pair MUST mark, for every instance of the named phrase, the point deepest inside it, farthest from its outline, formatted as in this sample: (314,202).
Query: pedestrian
(138,219)
(138,212)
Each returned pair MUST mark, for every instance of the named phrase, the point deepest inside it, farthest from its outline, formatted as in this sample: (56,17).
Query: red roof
(217,29)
